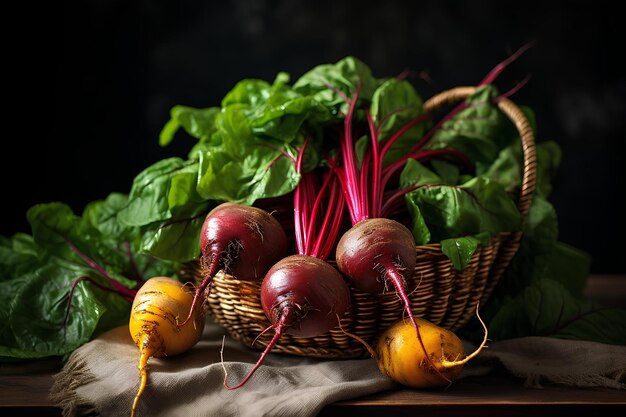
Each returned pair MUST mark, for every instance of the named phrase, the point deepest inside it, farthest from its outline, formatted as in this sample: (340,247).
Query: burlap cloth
(101,378)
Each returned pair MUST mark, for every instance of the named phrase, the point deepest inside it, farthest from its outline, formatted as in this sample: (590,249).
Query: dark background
(97,79)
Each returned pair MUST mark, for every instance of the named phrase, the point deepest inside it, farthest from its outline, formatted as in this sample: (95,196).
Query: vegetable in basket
(242,241)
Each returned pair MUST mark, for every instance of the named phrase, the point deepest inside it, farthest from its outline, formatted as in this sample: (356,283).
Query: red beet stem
(214,267)
(278,331)
(397,279)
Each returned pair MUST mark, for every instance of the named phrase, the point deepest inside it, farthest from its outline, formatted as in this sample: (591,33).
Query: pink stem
(350,171)
(497,70)
(126,292)
(298,215)
(331,223)
(310,218)
(278,330)
(363,191)
(402,131)
(397,280)
(214,267)
(489,79)
(513,90)
(390,169)
(376,197)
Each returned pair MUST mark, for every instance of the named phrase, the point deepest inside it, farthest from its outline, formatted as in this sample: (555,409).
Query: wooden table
(24,389)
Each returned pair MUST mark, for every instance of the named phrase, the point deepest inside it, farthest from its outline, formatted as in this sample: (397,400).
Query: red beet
(243,241)
(303,296)
(374,251)
(306,294)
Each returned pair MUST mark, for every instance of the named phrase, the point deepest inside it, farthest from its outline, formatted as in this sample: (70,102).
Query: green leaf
(416,173)
(285,118)
(198,123)
(249,93)
(448,173)
(234,128)
(256,109)
(508,167)
(535,254)
(161,191)
(569,266)
(177,239)
(37,308)
(479,205)
(419,228)
(330,84)
(262,172)
(479,131)
(546,308)
(18,255)
(394,104)
(102,215)
(41,269)
(460,250)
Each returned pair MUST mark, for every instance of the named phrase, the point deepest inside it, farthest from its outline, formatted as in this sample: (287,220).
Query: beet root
(308,291)
(372,250)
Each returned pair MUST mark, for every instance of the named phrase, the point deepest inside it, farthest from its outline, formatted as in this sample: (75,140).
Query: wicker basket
(436,290)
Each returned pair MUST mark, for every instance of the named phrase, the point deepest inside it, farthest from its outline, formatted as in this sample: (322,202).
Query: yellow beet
(158,308)
(400,355)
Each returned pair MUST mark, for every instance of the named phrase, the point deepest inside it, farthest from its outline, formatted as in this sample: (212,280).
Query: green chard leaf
(508,167)
(162,191)
(40,271)
(17,255)
(547,308)
(459,217)
(394,104)
(533,258)
(477,206)
(479,131)
(165,204)
(331,84)
(460,250)
(176,240)
(262,172)
(198,123)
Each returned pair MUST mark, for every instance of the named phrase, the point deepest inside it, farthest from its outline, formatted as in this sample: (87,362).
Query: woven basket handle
(522,125)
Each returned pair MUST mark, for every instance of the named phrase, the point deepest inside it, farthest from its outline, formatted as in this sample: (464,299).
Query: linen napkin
(101,377)
(538,360)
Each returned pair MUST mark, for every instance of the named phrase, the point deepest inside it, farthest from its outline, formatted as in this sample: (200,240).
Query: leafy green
(261,173)
(546,308)
(331,84)
(460,250)
(164,190)
(258,126)
(478,131)
(394,104)
(38,272)
(198,123)
(478,205)
(507,168)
